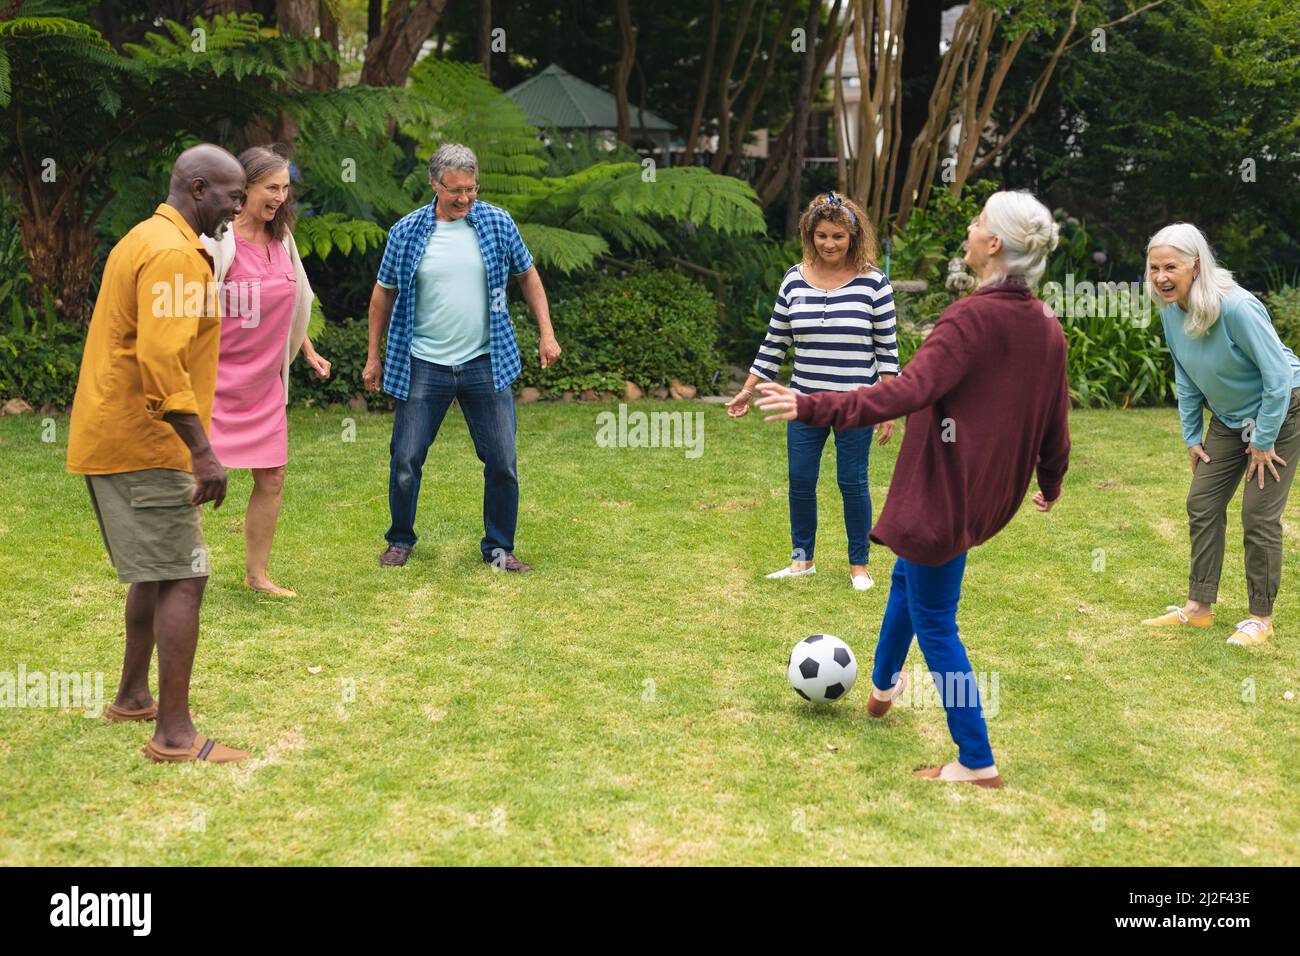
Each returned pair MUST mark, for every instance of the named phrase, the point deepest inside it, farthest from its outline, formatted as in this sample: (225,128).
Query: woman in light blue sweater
(1227,356)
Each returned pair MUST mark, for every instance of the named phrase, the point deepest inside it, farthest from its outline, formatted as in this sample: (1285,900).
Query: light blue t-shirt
(1240,368)
(451,298)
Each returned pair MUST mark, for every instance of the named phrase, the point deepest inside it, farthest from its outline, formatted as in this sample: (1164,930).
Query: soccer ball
(822,669)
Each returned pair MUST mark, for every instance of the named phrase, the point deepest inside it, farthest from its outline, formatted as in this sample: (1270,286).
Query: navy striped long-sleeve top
(844,338)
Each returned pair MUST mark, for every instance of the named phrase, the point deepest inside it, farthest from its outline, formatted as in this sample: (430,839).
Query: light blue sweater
(1240,368)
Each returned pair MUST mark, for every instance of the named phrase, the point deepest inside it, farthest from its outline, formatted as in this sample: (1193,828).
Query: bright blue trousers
(923,602)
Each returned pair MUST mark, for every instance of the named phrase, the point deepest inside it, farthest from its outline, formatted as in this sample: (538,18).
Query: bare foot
(268,587)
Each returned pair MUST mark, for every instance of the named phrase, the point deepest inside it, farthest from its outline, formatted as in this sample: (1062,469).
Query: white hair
(1211,283)
(1028,233)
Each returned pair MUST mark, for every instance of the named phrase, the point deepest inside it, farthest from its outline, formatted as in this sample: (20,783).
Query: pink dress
(249,427)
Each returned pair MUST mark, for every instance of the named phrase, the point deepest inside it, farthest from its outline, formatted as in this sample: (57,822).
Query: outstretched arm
(939,364)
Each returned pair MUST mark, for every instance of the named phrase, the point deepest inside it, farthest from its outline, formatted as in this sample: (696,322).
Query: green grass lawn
(627,702)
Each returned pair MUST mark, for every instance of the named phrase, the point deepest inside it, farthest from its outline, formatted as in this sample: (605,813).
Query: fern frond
(320,235)
(562,249)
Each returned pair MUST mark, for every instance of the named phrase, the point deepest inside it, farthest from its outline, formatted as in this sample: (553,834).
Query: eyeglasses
(457,193)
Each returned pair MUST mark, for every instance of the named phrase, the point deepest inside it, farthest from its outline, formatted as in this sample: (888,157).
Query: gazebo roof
(557,98)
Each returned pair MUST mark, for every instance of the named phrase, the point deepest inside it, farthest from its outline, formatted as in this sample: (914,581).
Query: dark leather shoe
(394,557)
(509,563)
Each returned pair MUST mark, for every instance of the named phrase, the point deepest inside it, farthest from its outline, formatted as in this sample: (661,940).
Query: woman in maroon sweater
(987,404)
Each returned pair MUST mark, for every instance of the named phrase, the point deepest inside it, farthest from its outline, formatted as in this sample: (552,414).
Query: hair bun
(1042,236)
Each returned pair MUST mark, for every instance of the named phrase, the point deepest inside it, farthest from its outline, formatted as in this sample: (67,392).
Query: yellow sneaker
(1251,633)
(1175,615)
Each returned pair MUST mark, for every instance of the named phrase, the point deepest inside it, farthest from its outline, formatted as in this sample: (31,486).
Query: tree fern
(322,234)
(346,154)
(562,249)
(461,106)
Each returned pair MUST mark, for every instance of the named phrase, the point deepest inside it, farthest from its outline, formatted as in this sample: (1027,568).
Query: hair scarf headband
(834,200)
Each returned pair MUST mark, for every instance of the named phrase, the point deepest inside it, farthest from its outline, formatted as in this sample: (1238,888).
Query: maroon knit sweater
(987,402)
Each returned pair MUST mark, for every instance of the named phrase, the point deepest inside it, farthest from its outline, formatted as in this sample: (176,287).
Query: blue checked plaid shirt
(504,254)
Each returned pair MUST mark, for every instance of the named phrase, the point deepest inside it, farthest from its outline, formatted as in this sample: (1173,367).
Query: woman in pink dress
(266,304)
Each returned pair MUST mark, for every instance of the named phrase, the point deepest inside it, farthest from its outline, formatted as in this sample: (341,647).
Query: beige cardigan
(223,254)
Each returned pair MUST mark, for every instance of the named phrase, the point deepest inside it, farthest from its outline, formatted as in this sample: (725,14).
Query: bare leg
(176,629)
(1197,607)
(133,689)
(259,527)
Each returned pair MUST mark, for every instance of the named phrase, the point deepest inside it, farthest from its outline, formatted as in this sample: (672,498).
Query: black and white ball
(822,668)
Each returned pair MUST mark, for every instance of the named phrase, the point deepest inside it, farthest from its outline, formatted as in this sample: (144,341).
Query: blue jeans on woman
(923,602)
(490,415)
(804,444)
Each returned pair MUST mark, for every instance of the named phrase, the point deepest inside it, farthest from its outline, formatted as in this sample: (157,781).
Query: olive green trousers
(1213,486)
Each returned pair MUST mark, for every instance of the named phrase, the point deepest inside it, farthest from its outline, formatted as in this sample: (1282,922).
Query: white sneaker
(787,572)
(863,581)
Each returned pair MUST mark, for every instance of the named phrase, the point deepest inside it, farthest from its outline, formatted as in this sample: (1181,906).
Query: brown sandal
(204,748)
(121,714)
(877,707)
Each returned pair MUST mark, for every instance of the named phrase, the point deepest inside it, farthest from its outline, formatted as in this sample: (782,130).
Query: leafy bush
(648,327)
(344,344)
(1116,361)
(1283,305)
(752,266)
(934,233)
(1076,253)
(40,357)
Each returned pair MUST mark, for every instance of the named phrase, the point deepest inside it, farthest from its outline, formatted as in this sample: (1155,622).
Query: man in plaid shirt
(442,283)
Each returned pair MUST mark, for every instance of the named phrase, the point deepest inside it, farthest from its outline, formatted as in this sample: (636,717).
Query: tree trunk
(485,38)
(627,57)
(390,56)
(922,33)
(327,74)
(61,256)
(799,122)
(725,99)
(702,95)
(295,18)
(737,147)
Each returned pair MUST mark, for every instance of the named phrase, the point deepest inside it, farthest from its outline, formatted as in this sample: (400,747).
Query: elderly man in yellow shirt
(139,435)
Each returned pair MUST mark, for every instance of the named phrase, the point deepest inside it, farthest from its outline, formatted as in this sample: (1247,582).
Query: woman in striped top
(837,309)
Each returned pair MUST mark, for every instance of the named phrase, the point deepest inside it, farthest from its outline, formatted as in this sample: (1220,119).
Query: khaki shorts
(151,530)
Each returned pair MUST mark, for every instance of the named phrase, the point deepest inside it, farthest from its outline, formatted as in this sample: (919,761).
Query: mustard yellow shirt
(151,349)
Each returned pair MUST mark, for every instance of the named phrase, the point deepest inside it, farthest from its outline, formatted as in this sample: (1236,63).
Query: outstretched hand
(738,407)
(779,400)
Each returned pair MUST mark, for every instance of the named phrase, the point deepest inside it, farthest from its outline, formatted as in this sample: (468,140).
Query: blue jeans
(490,416)
(804,444)
(923,602)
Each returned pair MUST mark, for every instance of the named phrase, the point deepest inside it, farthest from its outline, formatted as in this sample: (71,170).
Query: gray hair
(1027,230)
(452,156)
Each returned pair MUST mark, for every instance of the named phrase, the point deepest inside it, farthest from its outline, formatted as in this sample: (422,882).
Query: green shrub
(1283,305)
(649,327)
(1117,360)
(934,233)
(344,344)
(40,356)
(753,267)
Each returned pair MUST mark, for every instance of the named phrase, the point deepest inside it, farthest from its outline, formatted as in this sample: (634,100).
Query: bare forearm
(535,296)
(190,430)
(381,310)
